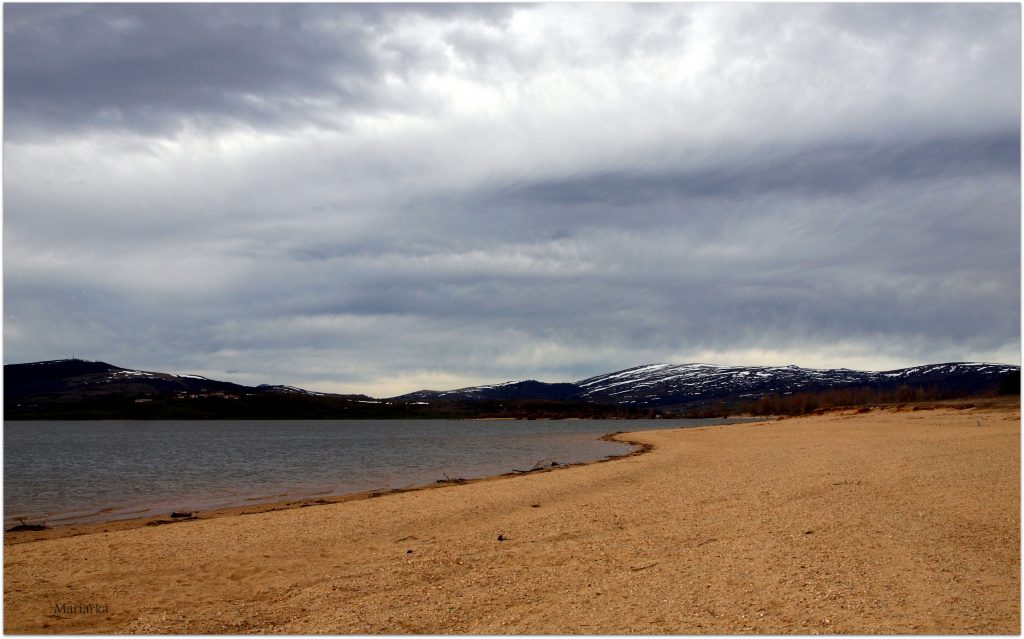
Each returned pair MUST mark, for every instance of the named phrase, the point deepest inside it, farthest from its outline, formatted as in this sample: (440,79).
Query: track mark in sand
(645,567)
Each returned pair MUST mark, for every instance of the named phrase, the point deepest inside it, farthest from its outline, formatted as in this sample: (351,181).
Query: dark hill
(529,389)
(77,389)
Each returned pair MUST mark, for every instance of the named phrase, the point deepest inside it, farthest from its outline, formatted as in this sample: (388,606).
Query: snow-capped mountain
(659,385)
(67,382)
(81,390)
(666,384)
(80,379)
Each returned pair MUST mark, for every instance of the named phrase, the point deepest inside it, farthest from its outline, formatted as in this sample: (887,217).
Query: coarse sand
(889,521)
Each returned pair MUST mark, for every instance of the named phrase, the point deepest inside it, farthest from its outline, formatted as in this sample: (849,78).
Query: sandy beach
(881,522)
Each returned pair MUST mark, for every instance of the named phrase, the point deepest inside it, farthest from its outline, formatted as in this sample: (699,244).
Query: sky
(384,198)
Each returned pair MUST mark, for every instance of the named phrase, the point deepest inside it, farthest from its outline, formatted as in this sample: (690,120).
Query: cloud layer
(381,198)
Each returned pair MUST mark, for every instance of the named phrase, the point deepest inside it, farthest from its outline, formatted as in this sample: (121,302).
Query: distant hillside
(690,385)
(79,379)
(77,389)
(529,389)
(74,388)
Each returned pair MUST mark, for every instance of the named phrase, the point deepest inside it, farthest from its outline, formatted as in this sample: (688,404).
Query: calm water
(103,470)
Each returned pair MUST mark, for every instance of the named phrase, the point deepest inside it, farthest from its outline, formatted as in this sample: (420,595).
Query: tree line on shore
(281,405)
(804,403)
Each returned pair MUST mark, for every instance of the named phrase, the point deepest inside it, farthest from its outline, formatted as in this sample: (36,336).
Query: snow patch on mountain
(654,385)
(663,384)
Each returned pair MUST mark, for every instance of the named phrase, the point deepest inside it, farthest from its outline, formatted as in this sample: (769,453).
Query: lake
(89,471)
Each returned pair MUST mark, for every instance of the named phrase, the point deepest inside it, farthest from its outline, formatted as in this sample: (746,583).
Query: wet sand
(881,522)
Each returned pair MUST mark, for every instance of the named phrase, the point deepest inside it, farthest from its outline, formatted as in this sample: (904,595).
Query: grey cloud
(719,195)
(154,68)
(829,169)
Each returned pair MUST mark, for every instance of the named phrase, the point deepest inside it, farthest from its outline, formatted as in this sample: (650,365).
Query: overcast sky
(385,198)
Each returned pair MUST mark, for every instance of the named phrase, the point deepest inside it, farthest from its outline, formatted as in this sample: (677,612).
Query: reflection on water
(94,471)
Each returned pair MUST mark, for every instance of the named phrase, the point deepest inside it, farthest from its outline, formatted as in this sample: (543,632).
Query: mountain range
(79,389)
(82,389)
(684,385)
(75,378)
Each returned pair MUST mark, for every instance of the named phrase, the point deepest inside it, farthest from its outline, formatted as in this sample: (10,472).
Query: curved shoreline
(74,530)
(883,522)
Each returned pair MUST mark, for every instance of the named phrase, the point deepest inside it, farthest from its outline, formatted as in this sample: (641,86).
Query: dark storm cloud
(153,68)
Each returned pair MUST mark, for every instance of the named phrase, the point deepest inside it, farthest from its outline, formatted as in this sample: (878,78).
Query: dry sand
(884,522)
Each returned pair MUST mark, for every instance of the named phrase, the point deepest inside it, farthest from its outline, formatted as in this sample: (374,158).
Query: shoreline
(885,522)
(59,531)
